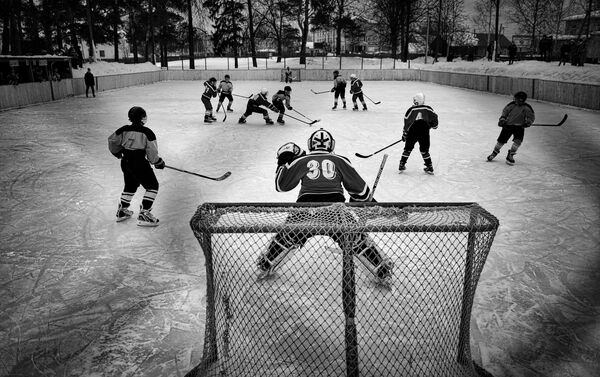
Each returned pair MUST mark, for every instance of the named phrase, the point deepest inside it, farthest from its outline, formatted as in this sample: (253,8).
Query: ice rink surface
(84,295)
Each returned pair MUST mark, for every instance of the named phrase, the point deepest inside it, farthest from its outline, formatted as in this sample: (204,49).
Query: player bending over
(418,119)
(356,91)
(136,147)
(210,90)
(225,89)
(322,176)
(339,89)
(254,106)
(281,100)
(516,116)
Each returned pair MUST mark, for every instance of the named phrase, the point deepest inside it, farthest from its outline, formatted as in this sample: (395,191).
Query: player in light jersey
(323,177)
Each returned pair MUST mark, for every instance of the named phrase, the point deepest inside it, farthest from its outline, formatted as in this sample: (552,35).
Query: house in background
(467,52)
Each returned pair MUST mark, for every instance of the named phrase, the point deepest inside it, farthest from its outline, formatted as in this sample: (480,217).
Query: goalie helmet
(419,99)
(264,91)
(137,115)
(321,140)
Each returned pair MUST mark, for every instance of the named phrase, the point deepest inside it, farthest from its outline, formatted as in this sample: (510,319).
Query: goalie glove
(288,152)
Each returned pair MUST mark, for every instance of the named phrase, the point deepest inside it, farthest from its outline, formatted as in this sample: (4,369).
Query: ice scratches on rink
(292,321)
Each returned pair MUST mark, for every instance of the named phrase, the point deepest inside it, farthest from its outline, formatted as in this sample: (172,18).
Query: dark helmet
(136,115)
(521,95)
(212,79)
(288,88)
(336,72)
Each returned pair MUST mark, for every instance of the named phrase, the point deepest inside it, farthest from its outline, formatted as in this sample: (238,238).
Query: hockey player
(516,116)
(339,89)
(254,106)
(281,100)
(418,119)
(356,91)
(210,90)
(322,176)
(136,147)
(225,89)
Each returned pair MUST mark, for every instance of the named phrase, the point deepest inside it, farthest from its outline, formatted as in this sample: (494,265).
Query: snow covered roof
(594,14)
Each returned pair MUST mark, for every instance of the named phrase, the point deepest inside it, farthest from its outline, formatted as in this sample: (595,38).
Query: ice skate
(266,267)
(280,121)
(145,218)
(428,169)
(207,119)
(230,109)
(510,158)
(344,105)
(402,166)
(355,108)
(213,118)
(123,213)
(334,107)
(364,108)
(242,120)
(269,120)
(492,156)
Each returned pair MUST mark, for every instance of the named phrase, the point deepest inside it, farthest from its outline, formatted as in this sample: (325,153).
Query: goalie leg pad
(275,255)
(372,258)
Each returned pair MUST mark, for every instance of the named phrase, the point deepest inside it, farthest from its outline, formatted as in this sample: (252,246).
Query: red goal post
(320,313)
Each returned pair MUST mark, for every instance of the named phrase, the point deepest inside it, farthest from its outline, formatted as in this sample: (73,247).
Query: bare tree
(532,16)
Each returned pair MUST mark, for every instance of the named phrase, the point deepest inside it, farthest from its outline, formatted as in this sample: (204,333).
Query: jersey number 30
(326,168)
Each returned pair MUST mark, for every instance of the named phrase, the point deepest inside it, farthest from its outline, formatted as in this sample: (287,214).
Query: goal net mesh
(324,310)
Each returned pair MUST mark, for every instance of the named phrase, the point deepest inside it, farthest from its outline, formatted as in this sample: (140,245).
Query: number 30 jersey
(322,176)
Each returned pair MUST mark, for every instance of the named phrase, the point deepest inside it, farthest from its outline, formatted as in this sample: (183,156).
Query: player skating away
(356,91)
(254,106)
(418,119)
(225,89)
(516,116)
(136,146)
(339,89)
(210,91)
(281,100)
(288,75)
(322,176)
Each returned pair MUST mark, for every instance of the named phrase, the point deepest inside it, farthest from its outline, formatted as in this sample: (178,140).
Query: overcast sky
(509,28)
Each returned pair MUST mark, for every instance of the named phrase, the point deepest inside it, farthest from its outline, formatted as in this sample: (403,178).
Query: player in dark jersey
(339,89)
(136,146)
(210,91)
(323,176)
(418,119)
(281,100)
(225,89)
(516,116)
(254,106)
(356,91)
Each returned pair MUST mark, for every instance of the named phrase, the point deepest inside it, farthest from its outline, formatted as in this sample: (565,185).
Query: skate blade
(146,224)
(121,219)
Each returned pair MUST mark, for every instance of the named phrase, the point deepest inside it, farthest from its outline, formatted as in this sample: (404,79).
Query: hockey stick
(302,114)
(300,120)
(384,148)
(224,176)
(376,103)
(385,156)
(237,95)
(551,125)
(224,112)
(325,91)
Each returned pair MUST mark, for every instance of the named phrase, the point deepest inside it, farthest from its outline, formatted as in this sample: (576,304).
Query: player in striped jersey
(418,119)
(136,147)
(356,91)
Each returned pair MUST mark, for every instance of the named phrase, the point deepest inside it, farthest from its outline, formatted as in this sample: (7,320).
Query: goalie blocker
(328,175)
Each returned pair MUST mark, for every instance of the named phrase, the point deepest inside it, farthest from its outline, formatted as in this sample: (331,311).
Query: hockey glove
(118,155)
(288,152)
(160,164)
(502,122)
(332,90)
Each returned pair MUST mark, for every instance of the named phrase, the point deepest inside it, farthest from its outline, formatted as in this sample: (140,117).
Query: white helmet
(419,99)
(264,91)
(321,140)
(353,76)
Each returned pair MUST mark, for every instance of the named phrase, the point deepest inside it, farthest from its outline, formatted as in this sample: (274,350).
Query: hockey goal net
(324,311)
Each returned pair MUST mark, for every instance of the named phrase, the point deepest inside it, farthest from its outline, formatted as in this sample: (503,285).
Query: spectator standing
(512,53)
(89,82)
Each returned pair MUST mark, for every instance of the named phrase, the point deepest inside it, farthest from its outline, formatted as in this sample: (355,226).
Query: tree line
(154,28)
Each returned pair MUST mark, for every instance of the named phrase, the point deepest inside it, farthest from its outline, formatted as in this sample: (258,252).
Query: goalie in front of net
(323,176)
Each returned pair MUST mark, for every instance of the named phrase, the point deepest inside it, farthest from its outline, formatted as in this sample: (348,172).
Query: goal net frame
(418,325)
(296,74)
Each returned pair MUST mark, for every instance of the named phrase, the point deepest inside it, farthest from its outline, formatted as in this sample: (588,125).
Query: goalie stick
(224,176)
(325,91)
(376,103)
(382,149)
(551,125)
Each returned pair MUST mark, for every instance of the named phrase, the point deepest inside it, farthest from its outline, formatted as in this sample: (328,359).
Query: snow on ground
(590,73)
